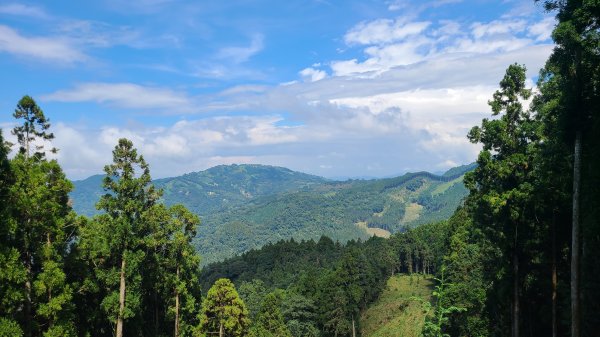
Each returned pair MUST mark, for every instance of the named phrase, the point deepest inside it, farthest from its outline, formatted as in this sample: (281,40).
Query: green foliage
(246,206)
(36,231)
(269,321)
(152,243)
(9,328)
(223,310)
(34,127)
(437,315)
(213,190)
(331,209)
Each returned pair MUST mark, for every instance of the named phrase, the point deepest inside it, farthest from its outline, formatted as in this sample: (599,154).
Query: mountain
(243,207)
(340,210)
(208,191)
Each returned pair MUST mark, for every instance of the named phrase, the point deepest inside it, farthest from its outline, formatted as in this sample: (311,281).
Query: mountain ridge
(243,207)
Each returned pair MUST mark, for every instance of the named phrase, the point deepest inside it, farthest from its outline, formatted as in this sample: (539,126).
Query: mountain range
(243,207)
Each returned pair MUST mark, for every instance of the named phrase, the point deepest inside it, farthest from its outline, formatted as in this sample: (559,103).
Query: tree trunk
(515,307)
(177,305)
(221,329)
(554,280)
(28,315)
(121,301)
(353,328)
(575,297)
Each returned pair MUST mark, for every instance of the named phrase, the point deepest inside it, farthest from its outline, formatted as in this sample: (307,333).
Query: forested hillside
(209,191)
(246,206)
(340,210)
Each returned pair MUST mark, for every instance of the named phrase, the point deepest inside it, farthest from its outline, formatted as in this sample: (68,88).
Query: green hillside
(340,210)
(244,207)
(208,191)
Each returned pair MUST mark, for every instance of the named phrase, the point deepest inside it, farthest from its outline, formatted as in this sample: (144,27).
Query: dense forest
(518,258)
(245,206)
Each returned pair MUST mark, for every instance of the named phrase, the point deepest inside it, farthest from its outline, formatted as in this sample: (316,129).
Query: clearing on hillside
(395,313)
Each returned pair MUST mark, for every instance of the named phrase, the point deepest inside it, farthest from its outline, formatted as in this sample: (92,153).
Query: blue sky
(334,88)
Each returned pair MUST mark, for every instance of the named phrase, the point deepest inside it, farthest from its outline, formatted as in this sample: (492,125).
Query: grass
(412,212)
(441,188)
(395,313)
(380,232)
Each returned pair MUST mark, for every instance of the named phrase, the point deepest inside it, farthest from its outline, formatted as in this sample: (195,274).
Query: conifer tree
(40,217)
(269,321)
(223,311)
(116,242)
(501,186)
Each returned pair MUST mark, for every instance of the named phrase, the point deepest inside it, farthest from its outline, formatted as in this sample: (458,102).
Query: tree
(13,272)
(269,321)
(39,218)
(33,130)
(182,257)
(223,311)
(574,69)
(501,186)
(438,314)
(300,316)
(116,241)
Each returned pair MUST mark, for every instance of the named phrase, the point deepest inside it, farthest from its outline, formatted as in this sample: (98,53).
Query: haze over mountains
(244,207)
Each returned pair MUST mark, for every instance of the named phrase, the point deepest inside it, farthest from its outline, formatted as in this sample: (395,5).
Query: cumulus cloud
(182,147)
(406,103)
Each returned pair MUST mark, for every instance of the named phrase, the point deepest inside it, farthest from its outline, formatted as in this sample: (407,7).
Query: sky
(370,88)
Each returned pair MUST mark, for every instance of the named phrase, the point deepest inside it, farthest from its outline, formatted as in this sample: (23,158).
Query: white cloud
(97,34)
(312,74)
(127,95)
(45,48)
(242,54)
(383,31)
(182,147)
(23,10)
(389,43)
(496,27)
(542,31)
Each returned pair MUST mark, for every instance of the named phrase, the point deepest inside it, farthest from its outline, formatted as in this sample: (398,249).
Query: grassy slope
(395,313)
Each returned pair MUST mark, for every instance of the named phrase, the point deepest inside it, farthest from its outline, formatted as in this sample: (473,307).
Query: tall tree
(121,231)
(40,216)
(223,311)
(183,263)
(33,131)
(502,183)
(574,68)
(13,272)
